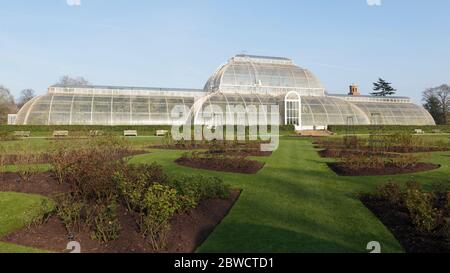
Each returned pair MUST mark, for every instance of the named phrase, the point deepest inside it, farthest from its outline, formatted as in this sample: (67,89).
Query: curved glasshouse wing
(278,90)
(109,106)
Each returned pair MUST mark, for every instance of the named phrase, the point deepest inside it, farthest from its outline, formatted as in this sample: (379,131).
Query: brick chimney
(354,90)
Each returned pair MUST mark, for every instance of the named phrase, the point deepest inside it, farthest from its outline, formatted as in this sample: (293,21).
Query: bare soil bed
(342,170)
(41,183)
(222,164)
(397,219)
(188,231)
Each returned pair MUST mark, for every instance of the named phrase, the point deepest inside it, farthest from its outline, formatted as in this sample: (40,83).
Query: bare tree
(67,80)
(440,98)
(25,96)
(7,105)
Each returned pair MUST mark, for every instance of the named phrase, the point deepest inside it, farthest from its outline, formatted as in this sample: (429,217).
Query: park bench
(60,133)
(129,133)
(94,133)
(22,133)
(419,131)
(161,132)
(437,131)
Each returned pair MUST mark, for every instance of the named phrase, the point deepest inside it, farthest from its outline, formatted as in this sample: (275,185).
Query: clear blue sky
(168,43)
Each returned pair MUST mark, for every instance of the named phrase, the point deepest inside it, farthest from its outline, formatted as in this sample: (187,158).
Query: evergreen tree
(383,88)
(433,106)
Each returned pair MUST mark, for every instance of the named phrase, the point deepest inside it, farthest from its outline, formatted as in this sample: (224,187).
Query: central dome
(263,75)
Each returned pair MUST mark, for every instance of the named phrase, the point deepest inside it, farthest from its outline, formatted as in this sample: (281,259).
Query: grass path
(296,204)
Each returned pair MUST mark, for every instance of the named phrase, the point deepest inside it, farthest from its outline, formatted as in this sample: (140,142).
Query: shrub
(90,172)
(351,141)
(422,213)
(27,167)
(391,192)
(360,161)
(40,213)
(70,211)
(61,160)
(105,223)
(7,136)
(405,161)
(133,182)
(196,188)
(161,203)
(3,162)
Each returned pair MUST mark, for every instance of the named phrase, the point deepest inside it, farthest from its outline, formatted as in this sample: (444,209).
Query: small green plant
(40,213)
(195,188)
(105,223)
(161,203)
(70,211)
(422,213)
(391,192)
(133,182)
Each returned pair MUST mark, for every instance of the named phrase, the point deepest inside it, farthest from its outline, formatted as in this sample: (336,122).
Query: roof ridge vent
(262,59)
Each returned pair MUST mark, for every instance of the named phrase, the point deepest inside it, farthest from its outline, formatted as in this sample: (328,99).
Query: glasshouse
(283,92)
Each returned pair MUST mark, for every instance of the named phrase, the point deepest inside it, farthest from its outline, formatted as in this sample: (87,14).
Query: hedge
(143,130)
(367,129)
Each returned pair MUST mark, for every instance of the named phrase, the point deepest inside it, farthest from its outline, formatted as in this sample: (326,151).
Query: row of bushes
(46,130)
(101,184)
(367,129)
(395,142)
(380,161)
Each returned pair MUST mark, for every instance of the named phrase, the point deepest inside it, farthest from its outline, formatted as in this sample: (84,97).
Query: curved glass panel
(395,113)
(263,76)
(80,109)
(323,111)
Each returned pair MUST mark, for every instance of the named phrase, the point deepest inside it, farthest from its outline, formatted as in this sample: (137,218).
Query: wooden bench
(22,133)
(419,131)
(94,133)
(161,132)
(437,131)
(60,133)
(129,133)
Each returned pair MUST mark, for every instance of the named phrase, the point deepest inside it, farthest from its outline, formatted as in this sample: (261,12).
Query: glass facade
(60,109)
(244,86)
(237,109)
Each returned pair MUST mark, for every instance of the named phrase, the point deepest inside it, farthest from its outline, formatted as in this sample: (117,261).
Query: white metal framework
(245,81)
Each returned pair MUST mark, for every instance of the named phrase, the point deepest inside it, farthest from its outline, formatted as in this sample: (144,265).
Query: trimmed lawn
(297,204)
(17,210)
(12,248)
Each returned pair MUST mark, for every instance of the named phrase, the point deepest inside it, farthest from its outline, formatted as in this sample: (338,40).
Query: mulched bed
(188,231)
(41,183)
(398,221)
(44,158)
(222,164)
(342,170)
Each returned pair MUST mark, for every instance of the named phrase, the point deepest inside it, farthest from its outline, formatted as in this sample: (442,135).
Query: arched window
(292,109)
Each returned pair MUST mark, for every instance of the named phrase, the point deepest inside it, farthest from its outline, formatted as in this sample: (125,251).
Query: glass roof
(263,75)
(59,109)
(395,113)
